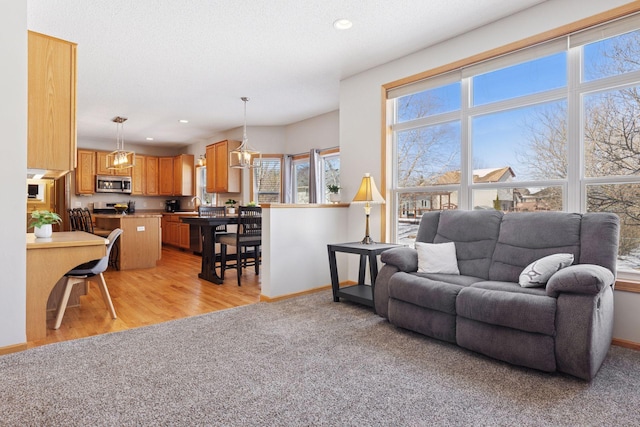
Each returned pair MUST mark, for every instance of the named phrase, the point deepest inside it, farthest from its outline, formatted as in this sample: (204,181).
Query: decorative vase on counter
(43,232)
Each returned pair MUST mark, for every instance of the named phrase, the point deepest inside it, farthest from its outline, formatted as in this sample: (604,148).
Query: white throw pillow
(538,272)
(437,258)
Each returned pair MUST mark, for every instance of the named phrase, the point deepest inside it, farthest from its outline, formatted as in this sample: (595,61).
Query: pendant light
(242,156)
(120,159)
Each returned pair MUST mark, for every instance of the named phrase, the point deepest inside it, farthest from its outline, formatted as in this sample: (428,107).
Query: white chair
(82,274)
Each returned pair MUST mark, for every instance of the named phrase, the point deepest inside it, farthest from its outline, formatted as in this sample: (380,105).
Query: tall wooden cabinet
(51,131)
(138,184)
(151,176)
(220,177)
(86,172)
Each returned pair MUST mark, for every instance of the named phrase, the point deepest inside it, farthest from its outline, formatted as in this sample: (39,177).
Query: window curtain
(316,194)
(287,178)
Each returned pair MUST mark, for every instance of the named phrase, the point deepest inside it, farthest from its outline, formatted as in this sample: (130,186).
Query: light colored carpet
(300,362)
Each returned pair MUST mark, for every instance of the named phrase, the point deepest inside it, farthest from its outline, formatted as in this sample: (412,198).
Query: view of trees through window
(534,135)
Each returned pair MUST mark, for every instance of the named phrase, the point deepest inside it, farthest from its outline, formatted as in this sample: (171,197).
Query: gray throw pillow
(539,271)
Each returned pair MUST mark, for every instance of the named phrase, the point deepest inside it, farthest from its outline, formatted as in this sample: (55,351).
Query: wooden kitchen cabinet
(51,134)
(220,177)
(175,232)
(86,172)
(165,176)
(101,166)
(151,176)
(138,182)
(176,175)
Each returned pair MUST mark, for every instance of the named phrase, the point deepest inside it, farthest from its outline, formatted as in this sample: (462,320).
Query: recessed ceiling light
(149,138)
(342,24)
(184,121)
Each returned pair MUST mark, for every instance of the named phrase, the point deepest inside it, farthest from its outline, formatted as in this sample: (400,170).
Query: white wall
(13,149)
(322,131)
(294,252)
(360,108)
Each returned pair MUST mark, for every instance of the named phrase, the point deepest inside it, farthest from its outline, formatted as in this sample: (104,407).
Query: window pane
(411,207)
(518,199)
(267,180)
(612,56)
(331,174)
(621,199)
(301,182)
(530,77)
(430,102)
(612,133)
(524,144)
(429,155)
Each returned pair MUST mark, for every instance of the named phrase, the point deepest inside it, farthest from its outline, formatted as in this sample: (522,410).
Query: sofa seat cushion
(496,285)
(425,292)
(517,310)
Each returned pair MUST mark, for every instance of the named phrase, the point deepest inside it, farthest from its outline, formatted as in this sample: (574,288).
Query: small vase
(334,197)
(231,211)
(44,231)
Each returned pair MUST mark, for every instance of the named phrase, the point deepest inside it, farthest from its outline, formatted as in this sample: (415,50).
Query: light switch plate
(140,228)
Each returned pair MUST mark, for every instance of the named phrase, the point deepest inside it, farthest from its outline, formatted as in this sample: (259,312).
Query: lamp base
(367,241)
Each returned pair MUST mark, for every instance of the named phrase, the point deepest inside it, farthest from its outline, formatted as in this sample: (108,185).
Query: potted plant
(334,193)
(41,221)
(231,206)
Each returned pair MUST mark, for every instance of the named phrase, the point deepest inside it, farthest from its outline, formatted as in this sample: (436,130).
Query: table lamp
(368,194)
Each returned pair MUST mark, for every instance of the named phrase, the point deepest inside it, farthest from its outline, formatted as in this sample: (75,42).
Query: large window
(266,180)
(552,127)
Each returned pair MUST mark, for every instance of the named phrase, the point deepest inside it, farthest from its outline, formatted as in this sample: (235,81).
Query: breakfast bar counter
(140,244)
(48,260)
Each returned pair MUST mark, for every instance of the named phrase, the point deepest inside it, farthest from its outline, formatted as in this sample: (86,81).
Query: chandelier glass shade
(120,158)
(242,157)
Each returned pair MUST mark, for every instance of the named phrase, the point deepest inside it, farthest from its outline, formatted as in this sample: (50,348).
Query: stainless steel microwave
(113,184)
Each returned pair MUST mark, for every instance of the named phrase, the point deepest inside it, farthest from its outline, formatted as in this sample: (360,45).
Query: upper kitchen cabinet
(102,169)
(176,175)
(138,181)
(51,136)
(220,177)
(151,176)
(86,172)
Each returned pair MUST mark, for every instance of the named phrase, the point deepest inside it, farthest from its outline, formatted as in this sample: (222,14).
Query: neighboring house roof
(479,175)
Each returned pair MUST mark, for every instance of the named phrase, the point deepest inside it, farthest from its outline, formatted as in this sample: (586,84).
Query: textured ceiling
(159,61)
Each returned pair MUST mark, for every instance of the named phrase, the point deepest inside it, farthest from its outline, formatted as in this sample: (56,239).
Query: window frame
(574,94)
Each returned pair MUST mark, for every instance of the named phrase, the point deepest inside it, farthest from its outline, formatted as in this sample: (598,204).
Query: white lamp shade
(368,192)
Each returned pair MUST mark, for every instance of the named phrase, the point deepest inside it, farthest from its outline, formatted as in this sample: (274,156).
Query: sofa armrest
(404,258)
(580,279)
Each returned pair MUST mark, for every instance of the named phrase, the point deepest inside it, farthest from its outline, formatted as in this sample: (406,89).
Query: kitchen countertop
(134,215)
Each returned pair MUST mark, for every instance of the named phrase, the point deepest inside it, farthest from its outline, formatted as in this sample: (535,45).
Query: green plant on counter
(231,203)
(334,189)
(40,218)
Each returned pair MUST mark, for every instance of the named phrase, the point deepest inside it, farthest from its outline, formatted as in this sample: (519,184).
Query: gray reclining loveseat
(565,325)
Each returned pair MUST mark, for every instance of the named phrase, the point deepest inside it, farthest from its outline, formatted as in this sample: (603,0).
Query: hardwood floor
(172,290)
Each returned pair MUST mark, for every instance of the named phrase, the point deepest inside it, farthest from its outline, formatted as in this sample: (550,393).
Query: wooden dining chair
(248,235)
(83,274)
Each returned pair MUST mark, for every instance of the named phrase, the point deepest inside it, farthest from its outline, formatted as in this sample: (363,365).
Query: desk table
(208,226)
(48,260)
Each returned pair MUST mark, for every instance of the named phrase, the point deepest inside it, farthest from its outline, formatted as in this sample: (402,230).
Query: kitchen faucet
(196,197)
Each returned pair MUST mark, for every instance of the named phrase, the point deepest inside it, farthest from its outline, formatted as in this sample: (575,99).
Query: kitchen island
(140,244)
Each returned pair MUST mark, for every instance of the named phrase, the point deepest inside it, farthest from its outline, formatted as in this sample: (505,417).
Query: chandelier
(242,156)
(120,159)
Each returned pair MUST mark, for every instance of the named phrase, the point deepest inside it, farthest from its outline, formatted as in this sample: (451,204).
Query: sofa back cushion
(599,236)
(526,237)
(475,234)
